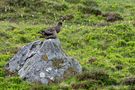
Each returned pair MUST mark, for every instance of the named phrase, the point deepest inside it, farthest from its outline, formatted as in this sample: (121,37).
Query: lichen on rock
(43,62)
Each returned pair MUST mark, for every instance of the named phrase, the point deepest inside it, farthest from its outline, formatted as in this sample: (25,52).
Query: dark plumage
(51,32)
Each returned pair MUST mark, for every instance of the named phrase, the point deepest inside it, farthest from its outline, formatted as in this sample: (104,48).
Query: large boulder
(43,62)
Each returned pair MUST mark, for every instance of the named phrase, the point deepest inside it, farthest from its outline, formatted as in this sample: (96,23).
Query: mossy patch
(69,72)
(85,84)
(45,57)
(57,63)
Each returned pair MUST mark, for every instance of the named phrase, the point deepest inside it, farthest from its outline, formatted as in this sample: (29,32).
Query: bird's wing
(49,31)
(57,28)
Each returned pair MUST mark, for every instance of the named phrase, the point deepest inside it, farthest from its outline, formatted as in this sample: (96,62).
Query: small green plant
(16,80)
(69,72)
(89,10)
(131,69)
(73,1)
(90,3)
(40,87)
(95,74)
(2,73)
(57,63)
(98,75)
(24,39)
(85,84)
(4,35)
(59,7)
(24,3)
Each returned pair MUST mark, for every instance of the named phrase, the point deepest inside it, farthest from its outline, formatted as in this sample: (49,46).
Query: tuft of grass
(89,10)
(73,1)
(40,87)
(129,81)
(90,3)
(2,73)
(24,39)
(98,75)
(86,84)
(4,35)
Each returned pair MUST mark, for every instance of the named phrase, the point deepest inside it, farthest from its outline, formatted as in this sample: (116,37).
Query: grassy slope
(112,45)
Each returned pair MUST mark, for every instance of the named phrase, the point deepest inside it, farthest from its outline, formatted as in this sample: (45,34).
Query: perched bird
(51,32)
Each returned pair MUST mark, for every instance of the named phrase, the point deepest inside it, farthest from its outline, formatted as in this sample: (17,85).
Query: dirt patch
(112,16)
(92,59)
(129,81)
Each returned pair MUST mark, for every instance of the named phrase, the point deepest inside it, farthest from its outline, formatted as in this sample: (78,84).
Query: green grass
(83,37)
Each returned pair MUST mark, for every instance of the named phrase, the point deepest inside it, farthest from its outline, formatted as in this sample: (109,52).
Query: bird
(51,33)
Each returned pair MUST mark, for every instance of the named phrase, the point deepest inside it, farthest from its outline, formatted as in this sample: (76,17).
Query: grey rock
(43,62)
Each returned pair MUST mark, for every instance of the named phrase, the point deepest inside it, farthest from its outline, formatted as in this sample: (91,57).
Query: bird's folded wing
(48,32)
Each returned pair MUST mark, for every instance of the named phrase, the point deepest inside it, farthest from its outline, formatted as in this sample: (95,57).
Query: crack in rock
(43,62)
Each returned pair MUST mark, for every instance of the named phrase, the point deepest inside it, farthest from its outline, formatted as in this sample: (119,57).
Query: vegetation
(87,35)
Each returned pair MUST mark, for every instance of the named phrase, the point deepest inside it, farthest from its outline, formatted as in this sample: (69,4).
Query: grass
(87,35)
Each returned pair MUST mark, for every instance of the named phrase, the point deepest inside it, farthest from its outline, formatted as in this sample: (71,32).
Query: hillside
(106,50)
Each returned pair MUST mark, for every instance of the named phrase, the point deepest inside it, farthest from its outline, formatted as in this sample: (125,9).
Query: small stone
(48,69)
(42,75)
(51,78)
(56,70)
